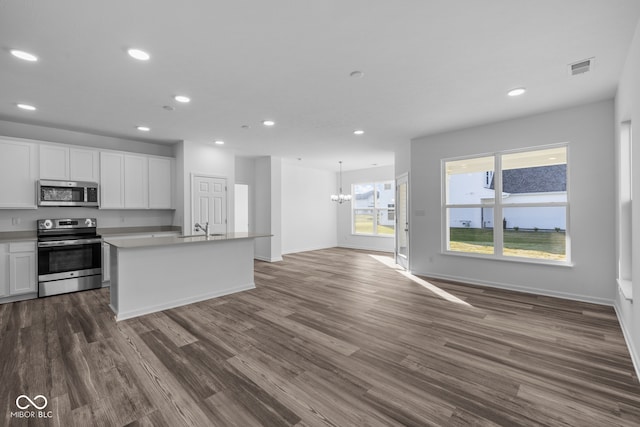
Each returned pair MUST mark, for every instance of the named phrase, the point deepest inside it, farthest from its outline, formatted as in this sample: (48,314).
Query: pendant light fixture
(340,198)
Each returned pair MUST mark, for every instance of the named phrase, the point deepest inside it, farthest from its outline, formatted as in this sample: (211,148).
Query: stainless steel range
(69,256)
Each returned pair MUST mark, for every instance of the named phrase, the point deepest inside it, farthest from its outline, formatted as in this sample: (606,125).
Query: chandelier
(340,198)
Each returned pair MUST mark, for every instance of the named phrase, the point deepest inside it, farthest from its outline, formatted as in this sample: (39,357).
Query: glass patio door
(402,221)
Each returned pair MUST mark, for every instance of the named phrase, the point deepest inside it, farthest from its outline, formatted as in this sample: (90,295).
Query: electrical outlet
(15,221)
(121,219)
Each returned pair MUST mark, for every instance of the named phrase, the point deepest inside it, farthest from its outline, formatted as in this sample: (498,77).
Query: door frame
(405,259)
(207,175)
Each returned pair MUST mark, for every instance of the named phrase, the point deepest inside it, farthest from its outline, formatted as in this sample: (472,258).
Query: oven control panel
(66,223)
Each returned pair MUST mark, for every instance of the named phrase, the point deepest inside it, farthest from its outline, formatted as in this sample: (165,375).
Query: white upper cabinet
(160,183)
(69,163)
(84,165)
(111,180)
(136,181)
(18,174)
(54,162)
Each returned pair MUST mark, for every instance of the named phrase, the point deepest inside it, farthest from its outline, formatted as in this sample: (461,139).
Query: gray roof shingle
(540,179)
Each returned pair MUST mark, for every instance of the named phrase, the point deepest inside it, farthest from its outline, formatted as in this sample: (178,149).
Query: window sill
(626,289)
(521,260)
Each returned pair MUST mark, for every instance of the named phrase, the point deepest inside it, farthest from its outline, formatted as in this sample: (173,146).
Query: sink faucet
(201,228)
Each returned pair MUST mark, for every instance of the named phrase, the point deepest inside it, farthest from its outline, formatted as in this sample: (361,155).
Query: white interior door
(402,221)
(241,211)
(209,203)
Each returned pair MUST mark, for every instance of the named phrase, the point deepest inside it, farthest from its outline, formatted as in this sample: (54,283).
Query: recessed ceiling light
(182,98)
(358,132)
(268,122)
(517,91)
(357,74)
(218,142)
(138,54)
(23,55)
(26,107)
(143,128)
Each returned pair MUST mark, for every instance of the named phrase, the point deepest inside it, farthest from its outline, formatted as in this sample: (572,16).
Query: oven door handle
(68,243)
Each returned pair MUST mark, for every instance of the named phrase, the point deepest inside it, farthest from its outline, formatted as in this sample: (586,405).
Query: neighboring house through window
(373,207)
(508,204)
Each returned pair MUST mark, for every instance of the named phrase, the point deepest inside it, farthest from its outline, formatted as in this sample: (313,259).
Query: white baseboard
(365,248)
(267,259)
(635,357)
(20,297)
(181,302)
(307,249)
(525,289)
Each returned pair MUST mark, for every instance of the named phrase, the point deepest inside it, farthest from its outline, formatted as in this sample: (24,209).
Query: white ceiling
(430,66)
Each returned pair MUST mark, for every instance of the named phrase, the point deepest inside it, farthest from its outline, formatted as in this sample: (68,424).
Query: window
(373,207)
(508,205)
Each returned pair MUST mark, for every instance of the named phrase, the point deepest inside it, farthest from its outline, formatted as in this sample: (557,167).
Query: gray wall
(628,108)
(61,136)
(589,130)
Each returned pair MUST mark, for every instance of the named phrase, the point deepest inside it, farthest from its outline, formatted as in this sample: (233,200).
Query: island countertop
(145,242)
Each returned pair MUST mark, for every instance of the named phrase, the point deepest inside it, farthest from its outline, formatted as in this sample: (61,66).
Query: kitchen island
(156,273)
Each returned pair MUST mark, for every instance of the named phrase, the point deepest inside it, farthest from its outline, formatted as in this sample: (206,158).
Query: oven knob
(47,224)
(88,222)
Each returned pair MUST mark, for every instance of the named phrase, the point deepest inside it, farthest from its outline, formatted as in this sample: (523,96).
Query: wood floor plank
(333,337)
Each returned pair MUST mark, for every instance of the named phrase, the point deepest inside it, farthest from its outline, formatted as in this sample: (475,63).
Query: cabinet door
(136,182)
(22,272)
(160,183)
(18,174)
(111,180)
(83,165)
(4,271)
(54,162)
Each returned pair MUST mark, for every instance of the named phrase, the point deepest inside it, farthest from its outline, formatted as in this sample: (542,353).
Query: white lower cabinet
(21,259)
(4,271)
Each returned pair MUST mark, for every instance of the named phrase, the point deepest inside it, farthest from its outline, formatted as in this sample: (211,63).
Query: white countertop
(176,240)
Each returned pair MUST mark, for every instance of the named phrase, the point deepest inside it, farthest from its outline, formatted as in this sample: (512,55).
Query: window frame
(498,208)
(375,210)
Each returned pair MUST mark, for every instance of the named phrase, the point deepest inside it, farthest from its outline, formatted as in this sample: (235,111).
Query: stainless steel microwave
(68,193)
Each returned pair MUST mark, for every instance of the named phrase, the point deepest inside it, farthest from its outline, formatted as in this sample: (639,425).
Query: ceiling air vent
(580,67)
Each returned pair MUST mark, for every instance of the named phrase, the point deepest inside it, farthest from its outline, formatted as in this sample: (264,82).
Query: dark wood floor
(331,337)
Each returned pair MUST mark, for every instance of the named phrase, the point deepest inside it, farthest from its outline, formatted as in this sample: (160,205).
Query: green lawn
(364,225)
(532,244)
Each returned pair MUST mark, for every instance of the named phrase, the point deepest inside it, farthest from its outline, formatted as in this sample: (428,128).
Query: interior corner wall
(246,174)
(589,131)
(346,239)
(628,109)
(205,159)
(402,159)
(268,208)
(309,217)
